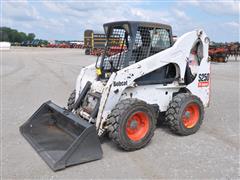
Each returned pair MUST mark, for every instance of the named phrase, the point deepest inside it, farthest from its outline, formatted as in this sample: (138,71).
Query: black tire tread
(114,119)
(172,118)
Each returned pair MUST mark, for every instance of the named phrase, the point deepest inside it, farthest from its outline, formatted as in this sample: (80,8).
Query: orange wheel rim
(190,115)
(137,126)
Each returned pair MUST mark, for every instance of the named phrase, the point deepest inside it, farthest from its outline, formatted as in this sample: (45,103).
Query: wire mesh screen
(149,41)
(160,41)
(116,49)
(142,44)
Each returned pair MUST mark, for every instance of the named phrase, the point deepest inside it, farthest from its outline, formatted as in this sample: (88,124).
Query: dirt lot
(32,76)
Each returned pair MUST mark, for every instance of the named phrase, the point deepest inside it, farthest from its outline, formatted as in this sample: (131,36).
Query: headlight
(98,71)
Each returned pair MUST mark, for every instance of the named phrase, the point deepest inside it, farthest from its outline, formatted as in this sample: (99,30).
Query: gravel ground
(32,76)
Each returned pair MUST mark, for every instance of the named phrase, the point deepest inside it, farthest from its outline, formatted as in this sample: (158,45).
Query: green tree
(12,35)
(21,37)
(3,35)
(30,36)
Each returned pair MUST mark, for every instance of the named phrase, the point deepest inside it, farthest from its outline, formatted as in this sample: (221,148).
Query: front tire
(131,124)
(185,114)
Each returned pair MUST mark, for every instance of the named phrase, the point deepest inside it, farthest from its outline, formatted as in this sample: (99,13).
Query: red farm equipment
(220,52)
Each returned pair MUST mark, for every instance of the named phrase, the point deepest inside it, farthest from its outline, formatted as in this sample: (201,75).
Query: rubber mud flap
(61,138)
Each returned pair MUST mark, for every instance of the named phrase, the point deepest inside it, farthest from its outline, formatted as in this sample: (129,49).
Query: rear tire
(131,124)
(185,114)
(71,100)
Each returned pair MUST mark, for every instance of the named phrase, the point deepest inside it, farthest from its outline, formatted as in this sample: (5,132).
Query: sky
(67,20)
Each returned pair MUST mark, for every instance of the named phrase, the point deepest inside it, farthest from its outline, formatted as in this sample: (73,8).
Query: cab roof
(138,23)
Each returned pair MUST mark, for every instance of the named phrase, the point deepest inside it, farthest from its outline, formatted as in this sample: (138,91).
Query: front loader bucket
(61,138)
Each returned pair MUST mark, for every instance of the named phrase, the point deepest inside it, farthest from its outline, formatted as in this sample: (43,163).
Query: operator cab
(129,42)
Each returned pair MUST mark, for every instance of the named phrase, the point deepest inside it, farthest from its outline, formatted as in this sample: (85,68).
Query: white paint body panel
(87,74)
(156,94)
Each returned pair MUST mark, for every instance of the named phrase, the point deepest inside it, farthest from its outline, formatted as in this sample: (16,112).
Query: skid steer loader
(123,95)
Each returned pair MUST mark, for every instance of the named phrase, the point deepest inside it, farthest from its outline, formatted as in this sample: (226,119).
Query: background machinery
(233,50)
(94,43)
(220,52)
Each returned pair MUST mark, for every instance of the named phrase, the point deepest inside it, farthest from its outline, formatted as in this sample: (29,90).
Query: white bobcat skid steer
(124,93)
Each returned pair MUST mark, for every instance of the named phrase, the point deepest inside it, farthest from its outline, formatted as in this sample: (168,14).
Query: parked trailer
(94,43)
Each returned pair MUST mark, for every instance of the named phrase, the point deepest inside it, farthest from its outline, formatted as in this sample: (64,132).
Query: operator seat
(142,51)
